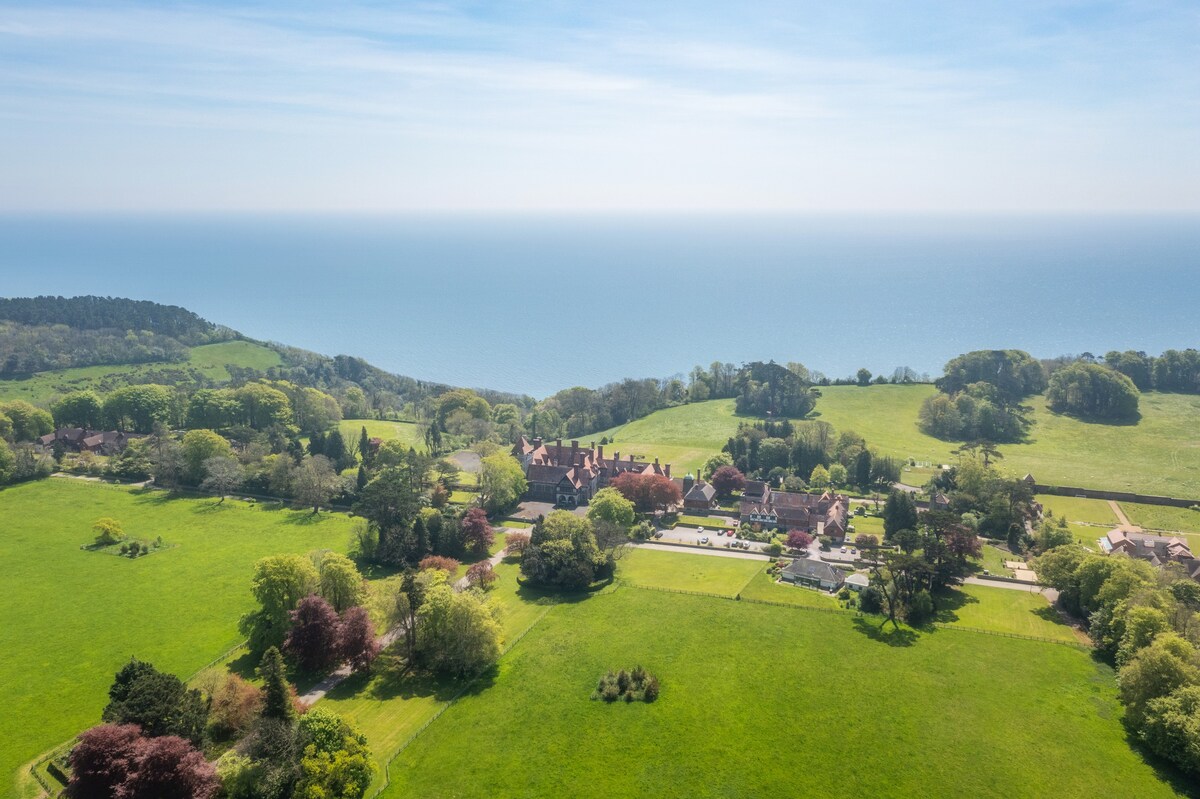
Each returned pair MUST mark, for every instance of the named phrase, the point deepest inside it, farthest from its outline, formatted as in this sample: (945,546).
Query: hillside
(204,364)
(1158,455)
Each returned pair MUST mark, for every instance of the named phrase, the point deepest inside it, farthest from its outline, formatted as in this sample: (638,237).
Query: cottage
(813,574)
(107,443)
(819,514)
(571,476)
(857,581)
(697,494)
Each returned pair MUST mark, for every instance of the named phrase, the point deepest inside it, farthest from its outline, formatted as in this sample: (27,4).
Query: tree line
(799,455)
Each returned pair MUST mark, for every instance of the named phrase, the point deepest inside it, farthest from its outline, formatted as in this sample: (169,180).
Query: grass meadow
(72,617)
(1160,454)
(208,360)
(759,700)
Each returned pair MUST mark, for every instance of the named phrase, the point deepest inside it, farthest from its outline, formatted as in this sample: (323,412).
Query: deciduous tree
(477,531)
(356,639)
(313,637)
(726,480)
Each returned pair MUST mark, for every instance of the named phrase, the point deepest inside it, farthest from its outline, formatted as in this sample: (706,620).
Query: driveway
(719,552)
(531,510)
(691,535)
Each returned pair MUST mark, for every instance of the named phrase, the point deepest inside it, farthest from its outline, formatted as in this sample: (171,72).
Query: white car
(699,529)
(704,540)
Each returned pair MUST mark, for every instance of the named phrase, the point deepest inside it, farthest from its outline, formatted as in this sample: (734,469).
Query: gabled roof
(701,492)
(813,569)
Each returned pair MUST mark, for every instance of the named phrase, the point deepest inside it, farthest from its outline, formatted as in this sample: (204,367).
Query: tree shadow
(1166,771)
(949,602)
(886,635)
(245,665)
(393,678)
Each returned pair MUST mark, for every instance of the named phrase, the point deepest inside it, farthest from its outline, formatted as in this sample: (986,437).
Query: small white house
(857,581)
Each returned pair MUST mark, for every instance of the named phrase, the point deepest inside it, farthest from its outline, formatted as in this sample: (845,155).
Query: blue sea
(535,304)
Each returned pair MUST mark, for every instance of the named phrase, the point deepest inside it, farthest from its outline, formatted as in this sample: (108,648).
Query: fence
(1022,636)
(1118,496)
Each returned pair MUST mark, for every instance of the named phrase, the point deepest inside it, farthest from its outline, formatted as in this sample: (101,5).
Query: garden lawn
(72,617)
(1004,610)
(743,711)
(993,558)
(208,361)
(682,571)
(764,587)
(408,433)
(1160,454)
(1078,509)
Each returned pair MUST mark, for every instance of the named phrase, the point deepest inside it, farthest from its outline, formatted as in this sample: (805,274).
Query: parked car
(729,533)
(699,529)
(658,533)
(853,551)
(843,550)
(704,540)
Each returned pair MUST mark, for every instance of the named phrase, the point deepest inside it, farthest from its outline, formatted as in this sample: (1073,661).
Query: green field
(207,361)
(409,433)
(1004,610)
(1160,454)
(1079,509)
(73,617)
(1162,517)
(686,572)
(749,708)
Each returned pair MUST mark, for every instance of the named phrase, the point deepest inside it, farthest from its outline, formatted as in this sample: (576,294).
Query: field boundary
(387,767)
(1116,496)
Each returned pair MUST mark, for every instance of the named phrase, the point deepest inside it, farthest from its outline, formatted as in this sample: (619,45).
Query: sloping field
(1158,455)
(209,361)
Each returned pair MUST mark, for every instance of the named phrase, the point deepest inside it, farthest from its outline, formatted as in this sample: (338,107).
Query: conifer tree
(277,703)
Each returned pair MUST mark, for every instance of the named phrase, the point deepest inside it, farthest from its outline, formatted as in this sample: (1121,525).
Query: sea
(536,303)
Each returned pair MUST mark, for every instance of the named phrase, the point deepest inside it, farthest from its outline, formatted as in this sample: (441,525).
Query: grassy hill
(1158,455)
(208,361)
(73,617)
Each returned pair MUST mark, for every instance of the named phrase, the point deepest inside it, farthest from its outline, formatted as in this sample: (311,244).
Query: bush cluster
(638,685)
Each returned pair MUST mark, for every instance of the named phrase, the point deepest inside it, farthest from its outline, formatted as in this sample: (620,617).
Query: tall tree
(277,693)
(476,531)
(315,482)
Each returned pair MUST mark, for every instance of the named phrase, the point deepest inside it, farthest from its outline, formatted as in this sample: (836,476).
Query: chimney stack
(617,455)
(667,469)
(558,443)
(600,452)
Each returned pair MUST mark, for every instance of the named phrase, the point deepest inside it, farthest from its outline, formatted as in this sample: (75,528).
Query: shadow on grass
(539,595)
(245,665)
(391,678)
(949,602)
(1166,771)
(887,634)
(1051,614)
(304,518)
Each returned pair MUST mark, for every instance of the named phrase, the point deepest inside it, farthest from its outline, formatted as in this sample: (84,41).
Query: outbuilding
(857,581)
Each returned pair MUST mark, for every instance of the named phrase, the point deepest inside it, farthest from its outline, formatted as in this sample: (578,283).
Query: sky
(615,106)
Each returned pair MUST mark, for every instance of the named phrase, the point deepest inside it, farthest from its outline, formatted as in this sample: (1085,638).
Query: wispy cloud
(602,107)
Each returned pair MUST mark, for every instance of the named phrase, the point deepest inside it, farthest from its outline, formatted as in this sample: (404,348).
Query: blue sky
(749,106)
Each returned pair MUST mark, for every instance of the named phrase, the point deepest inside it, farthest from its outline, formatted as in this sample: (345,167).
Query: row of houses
(80,439)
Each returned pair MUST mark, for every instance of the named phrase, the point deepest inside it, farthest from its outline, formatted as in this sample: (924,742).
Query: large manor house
(571,476)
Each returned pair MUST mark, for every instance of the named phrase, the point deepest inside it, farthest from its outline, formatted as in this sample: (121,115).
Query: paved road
(720,552)
(1045,591)
(326,685)
(692,535)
